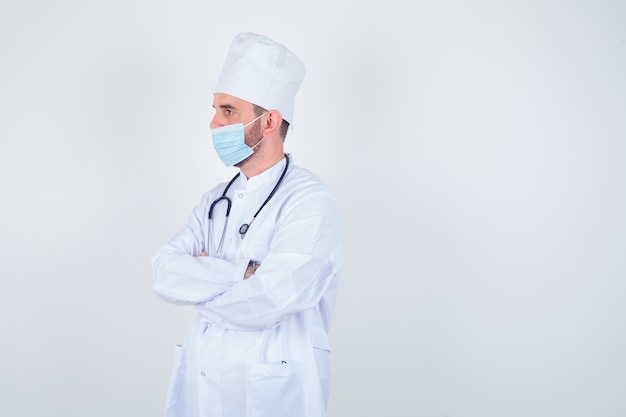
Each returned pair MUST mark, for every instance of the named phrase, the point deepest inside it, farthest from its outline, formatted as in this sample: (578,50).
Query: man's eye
(228,112)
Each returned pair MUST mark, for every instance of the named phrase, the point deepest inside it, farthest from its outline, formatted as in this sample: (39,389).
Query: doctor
(259,258)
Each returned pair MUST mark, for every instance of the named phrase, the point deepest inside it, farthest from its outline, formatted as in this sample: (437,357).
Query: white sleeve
(302,263)
(181,278)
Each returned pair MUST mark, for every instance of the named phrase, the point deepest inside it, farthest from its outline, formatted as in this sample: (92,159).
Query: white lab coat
(259,347)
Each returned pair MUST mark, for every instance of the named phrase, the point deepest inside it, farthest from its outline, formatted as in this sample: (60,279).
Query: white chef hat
(262,72)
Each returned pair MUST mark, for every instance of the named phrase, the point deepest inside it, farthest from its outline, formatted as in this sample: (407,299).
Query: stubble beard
(252,137)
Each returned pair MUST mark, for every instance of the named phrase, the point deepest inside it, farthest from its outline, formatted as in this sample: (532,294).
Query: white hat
(262,72)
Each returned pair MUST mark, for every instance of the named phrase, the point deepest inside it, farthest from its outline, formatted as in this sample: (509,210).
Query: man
(259,257)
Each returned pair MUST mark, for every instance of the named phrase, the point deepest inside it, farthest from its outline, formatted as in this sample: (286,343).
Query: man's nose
(214,122)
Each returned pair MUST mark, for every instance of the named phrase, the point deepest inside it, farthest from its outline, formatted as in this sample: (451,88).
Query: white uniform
(258,347)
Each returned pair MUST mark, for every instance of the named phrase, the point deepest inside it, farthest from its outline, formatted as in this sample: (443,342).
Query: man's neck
(255,167)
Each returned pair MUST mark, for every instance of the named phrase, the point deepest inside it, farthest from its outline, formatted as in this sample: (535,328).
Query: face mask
(230,142)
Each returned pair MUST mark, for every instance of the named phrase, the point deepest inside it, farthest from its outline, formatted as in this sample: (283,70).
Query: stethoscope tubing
(244,227)
(229,204)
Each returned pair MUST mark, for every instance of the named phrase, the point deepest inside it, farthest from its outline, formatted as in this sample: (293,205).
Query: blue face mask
(230,142)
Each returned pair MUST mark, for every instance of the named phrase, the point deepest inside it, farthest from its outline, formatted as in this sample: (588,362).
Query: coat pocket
(276,390)
(178,375)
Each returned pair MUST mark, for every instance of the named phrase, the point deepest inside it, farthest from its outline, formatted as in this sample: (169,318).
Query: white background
(476,148)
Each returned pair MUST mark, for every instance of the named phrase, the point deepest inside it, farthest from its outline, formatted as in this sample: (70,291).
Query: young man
(259,258)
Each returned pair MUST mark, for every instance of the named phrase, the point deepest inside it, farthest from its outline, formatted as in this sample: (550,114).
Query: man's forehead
(226,101)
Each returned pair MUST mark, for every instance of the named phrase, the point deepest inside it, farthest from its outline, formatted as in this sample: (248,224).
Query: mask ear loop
(254,120)
(248,124)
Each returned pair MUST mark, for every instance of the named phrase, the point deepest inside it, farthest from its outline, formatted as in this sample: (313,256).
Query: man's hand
(251,269)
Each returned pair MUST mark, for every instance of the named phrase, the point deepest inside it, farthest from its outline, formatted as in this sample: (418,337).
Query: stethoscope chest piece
(244,229)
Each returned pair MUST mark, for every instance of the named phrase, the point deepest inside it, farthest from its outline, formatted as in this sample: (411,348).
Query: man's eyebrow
(226,106)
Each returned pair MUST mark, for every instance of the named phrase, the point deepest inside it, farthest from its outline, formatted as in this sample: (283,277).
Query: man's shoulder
(303,175)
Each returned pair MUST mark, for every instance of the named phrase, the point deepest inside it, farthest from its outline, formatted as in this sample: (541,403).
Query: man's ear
(273,121)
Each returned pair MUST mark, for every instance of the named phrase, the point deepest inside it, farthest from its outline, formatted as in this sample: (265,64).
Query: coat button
(202,373)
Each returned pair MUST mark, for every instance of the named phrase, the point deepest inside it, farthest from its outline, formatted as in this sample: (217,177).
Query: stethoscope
(244,227)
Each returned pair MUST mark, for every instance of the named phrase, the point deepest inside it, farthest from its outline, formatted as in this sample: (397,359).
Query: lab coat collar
(270,175)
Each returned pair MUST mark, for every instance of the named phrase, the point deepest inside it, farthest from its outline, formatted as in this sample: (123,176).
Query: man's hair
(284,127)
